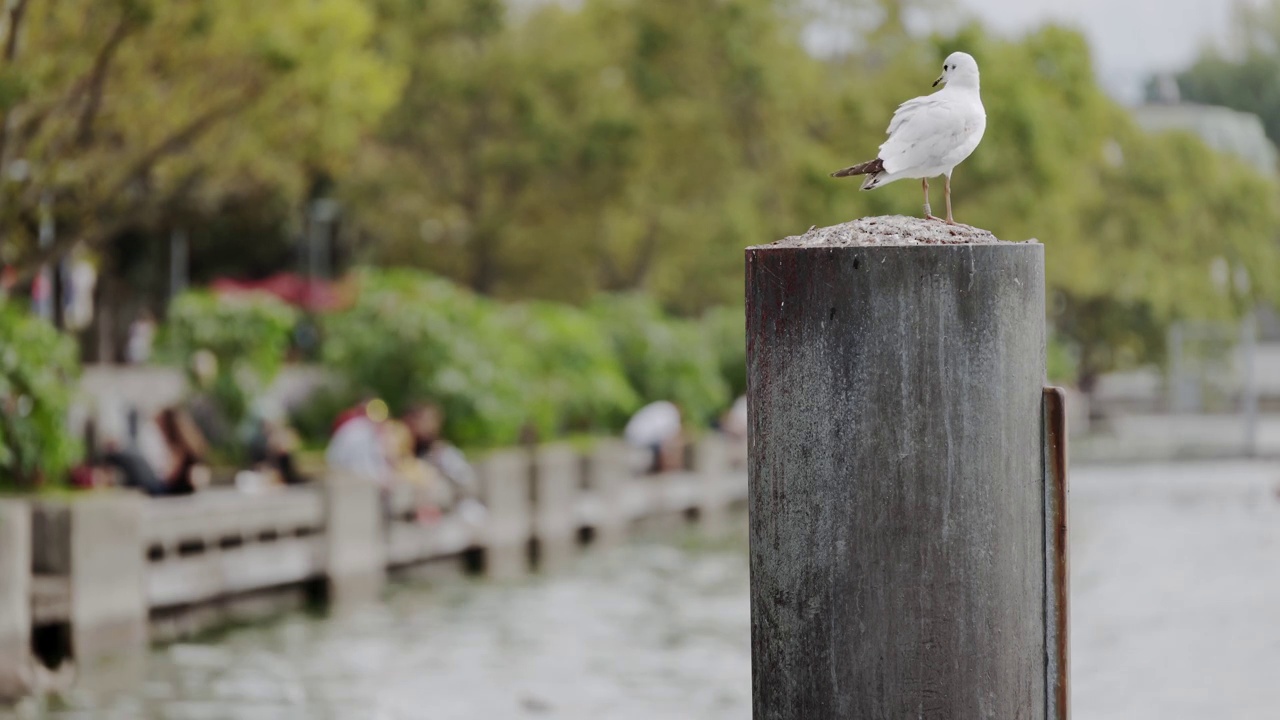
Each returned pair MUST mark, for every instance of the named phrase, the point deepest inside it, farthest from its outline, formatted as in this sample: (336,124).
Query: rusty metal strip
(1057,658)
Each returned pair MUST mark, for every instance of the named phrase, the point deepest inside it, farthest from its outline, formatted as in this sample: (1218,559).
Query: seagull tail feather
(866,168)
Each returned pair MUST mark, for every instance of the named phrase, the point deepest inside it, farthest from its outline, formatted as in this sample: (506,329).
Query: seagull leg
(928,211)
(946,190)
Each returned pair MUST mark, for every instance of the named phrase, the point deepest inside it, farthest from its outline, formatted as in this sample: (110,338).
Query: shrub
(495,368)
(578,383)
(248,336)
(412,337)
(38,368)
(665,358)
(725,331)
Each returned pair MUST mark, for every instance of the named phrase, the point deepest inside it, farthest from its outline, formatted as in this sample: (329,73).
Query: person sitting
(272,447)
(169,458)
(185,470)
(357,446)
(658,428)
(116,466)
(426,423)
(429,490)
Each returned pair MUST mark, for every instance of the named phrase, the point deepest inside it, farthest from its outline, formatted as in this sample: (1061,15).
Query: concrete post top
(889,231)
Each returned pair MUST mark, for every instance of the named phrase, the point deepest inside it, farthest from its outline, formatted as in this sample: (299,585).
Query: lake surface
(1176,615)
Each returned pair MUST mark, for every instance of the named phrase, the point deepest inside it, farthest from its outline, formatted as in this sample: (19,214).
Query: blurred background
(247,244)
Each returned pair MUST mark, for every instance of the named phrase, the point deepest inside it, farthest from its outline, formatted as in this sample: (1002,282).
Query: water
(1175,616)
(653,630)
(1176,592)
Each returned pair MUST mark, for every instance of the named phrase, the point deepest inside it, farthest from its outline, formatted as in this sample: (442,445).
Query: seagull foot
(927,216)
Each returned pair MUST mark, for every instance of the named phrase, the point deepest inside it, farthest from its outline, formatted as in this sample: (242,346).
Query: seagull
(930,135)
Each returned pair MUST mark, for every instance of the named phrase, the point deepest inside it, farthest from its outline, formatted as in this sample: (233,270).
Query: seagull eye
(945,68)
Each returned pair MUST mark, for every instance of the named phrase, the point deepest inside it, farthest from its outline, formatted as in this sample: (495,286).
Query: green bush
(725,330)
(496,368)
(38,367)
(665,358)
(411,337)
(578,383)
(249,337)
(313,418)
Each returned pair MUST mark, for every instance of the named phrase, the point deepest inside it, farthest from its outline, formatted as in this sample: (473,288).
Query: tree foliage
(619,145)
(557,151)
(1242,76)
(119,113)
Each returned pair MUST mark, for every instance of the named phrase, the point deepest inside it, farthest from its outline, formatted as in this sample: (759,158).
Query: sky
(1130,38)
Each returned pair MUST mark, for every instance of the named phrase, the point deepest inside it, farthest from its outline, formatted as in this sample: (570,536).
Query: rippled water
(1175,616)
(652,630)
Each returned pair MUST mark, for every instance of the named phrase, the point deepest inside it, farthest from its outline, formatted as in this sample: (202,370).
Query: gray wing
(928,132)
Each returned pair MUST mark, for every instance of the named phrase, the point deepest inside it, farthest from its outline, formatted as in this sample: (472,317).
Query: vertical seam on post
(1056,554)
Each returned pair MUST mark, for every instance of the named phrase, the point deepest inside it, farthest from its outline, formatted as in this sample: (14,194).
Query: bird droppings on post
(888,230)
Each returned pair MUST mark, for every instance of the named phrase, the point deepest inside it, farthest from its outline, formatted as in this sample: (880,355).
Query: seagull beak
(935,82)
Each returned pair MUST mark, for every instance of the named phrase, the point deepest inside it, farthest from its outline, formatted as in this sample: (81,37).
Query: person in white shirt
(659,428)
(358,447)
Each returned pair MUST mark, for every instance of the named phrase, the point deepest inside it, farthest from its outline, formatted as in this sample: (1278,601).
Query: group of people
(168,454)
(167,457)
(369,444)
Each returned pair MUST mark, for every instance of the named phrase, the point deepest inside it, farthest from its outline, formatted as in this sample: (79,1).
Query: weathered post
(898,495)
(15,600)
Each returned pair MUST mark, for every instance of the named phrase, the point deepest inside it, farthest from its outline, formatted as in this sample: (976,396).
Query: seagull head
(960,70)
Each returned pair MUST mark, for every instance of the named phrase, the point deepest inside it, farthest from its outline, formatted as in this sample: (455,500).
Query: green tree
(1243,75)
(632,146)
(117,113)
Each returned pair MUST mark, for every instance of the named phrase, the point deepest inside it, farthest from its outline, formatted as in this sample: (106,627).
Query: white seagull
(929,136)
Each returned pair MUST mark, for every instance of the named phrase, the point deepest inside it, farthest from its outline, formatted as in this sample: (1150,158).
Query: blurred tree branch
(126,112)
(16,12)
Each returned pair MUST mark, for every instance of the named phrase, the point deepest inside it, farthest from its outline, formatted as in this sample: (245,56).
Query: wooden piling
(897,494)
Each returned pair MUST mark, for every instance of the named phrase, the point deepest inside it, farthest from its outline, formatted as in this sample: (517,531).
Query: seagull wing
(926,131)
